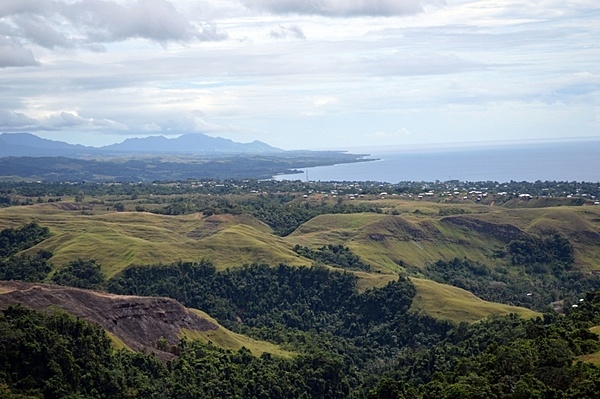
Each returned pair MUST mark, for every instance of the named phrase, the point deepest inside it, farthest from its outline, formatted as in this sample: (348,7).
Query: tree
(81,274)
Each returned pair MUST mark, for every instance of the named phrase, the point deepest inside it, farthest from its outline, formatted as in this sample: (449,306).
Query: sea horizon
(556,160)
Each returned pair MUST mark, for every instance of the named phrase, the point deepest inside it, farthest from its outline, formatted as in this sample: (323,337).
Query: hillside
(403,297)
(120,239)
(409,238)
(388,241)
(137,322)
(446,302)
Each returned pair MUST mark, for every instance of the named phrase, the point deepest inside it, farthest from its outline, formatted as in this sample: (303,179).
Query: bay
(550,161)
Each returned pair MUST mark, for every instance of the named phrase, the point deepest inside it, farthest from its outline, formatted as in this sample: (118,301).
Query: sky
(301,74)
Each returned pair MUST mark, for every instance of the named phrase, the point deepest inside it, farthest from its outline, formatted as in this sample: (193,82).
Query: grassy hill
(387,242)
(226,339)
(420,233)
(119,239)
(446,302)
(131,321)
(416,234)
(390,241)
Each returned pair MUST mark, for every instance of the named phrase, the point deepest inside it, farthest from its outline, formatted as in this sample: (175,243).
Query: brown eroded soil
(138,321)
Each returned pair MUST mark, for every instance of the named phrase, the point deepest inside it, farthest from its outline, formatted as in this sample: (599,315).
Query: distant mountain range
(27,144)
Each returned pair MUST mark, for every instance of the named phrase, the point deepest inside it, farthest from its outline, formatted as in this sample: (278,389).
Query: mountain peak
(27,144)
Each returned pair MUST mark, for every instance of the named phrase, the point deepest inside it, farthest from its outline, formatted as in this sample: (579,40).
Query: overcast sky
(301,74)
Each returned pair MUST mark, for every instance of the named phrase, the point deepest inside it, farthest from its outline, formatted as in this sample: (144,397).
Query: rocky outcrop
(396,228)
(138,321)
(502,232)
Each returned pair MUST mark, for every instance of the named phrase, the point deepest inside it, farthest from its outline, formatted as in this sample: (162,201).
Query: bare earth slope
(138,321)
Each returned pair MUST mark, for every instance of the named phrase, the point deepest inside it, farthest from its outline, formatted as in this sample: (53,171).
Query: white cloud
(87,23)
(13,121)
(71,120)
(324,101)
(288,32)
(106,21)
(60,121)
(16,56)
(337,8)
(298,72)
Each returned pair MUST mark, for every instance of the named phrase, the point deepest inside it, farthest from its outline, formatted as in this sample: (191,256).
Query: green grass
(227,339)
(119,239)
(241,244)
(116,342)
(454,304)
(387,241)
(373,280)
(116,240)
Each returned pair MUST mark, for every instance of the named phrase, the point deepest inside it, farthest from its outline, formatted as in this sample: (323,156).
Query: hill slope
(446,302)
(389,241)
(407,242)
(138,322)
(119,239)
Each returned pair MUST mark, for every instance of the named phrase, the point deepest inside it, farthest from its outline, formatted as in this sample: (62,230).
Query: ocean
(551,161)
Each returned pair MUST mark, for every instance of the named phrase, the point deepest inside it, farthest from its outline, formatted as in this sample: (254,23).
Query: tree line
(334,255)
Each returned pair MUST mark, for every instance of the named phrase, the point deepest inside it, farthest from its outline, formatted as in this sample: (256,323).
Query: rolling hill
(119,239)
(440,278)
(137,323)
(390,243)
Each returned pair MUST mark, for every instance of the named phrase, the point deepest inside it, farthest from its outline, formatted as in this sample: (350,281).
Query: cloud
(86,23)
(337,8)
(37,30)
(577,86)
(10,120)
(106,21)
(324,101)
(405,64)
(16,121)
(71,120)
(288,32)
(16,56)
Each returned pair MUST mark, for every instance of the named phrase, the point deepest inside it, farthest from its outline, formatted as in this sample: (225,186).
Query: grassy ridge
(226,339)
(450,303)
(119,239)
(417,234)
(388,242)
